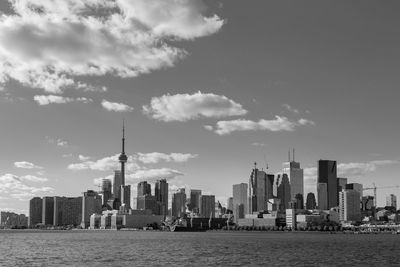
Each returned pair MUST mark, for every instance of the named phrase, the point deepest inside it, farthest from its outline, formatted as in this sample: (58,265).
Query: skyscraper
(143,189)
(91,203)
(117,184)
(311,202)
(283,190)
(327,174)
(391,201)
(106,189)
(322,194)
(349,205)
(240,200)
(179,203)
(295,175)
(147,202)
(35,211)
(67,211)
(260,189)
(355,186)
(126,196)
(195,200)
(161,193)
(124,190)
(48,211)
(341,183)
(207,206)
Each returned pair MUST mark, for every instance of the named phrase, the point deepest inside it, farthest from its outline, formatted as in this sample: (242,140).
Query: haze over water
(120,248)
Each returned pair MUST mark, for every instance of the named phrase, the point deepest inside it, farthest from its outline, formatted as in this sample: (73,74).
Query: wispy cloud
(43,100)
(58,142)
(118,107)
(277,124)
(290,108)
(156,157)
(51,44)
(14,186)
(26,165)
(184,107)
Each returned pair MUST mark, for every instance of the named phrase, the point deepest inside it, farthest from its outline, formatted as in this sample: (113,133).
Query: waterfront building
(260,189)
(48,210)
(13,220)
(322,192)
(391,201)
(357,187)
(126,196)
(207,206)
(327,174)
(147,202)
(67,211)
(311,203)
(341,184)
(283,190)
(91,203)
(117,185)
(106,188)
(195,200)
(240,200)
(349,205)
(35,211)
(161,193)
(179,203)
(296,177)
(143,189)
(291,218)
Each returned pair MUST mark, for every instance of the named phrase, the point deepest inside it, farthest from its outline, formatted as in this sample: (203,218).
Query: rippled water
(128,248)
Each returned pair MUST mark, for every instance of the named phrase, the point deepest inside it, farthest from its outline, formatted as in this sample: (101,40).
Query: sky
(206,88)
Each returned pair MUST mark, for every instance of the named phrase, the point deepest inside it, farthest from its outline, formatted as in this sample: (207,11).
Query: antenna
(266,163)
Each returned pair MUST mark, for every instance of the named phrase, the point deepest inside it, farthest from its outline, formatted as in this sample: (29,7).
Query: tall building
(106,188)
(179,203)
(91,203)
(296,177)
(117,185)
(240,200)
(207,206)
(299,200)
(230,204)
(143,189)
(260,189)
(327,174)
(311,203)
(391,201)
(283,190)
(341,183)
(322,192)
(126,196)
(161,194)
(48,210)
(355,186)
(195,200)
(35,211)
(67,211)
(147,202)
(349,205)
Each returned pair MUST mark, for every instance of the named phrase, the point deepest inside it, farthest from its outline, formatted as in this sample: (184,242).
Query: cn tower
(123,158)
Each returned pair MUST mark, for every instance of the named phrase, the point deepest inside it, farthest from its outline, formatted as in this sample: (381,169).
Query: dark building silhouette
(327,174)
(67,211)
(311,202)
(48,211)
(161,194)
(106,188)
(299,199)
(207,206)
(117,184)
(260,189)
(143,189)
(35,211)
(147,202)
(195,200)
(179,203)
(283,190)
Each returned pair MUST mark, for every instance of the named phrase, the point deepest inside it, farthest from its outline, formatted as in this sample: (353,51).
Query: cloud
(14,186)
(43,100)
(357,169)
(26,165)
(153,174)
(52,44)
(58,142)
(305,122)
(83,158)
(156,157)
(104,164)
(275,125)
(184,107)
(118,107)
(290,108)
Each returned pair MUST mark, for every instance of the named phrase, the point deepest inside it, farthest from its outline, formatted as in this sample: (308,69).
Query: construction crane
(374,187)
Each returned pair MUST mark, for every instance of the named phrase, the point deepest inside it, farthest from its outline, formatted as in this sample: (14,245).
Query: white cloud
(49,99)
(306,122)
(357,169)
(151,174)
(26,165)
(156,157)
(118,107)
(58,142)
(104,164)
(14,186)
(51,44)
(290,108)
(83,158)
(274,125)
(183,107)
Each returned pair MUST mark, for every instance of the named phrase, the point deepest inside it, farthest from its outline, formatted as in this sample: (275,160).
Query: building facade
(327,174)
(391,201)
(207,206)
(91,203)
(195,200)
(35,211)
(260,190)
(161,194)
(48,211)
(179,203)
(240,200)
(349,206)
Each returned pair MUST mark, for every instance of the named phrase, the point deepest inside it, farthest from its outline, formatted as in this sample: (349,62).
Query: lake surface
(141,248)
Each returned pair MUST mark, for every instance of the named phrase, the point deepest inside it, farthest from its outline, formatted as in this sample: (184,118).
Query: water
(129,248)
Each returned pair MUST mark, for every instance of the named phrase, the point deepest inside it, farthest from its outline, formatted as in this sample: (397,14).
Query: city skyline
(205,104)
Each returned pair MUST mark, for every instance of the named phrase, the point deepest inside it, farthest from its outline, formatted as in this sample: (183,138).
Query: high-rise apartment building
(260,189)
(355,186)
(161,194)
(322,193)
(341,183)
(195,200)
(117,184)
(179,203)
(240,200)
(207,206)
(143,189)
(349,206)
(67,211)
(327,174)
(48,210)
(283,190)
(296,177)
(91,203)
(35,211)
(147,202)
(391,201)
(106,188)
(126,196)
